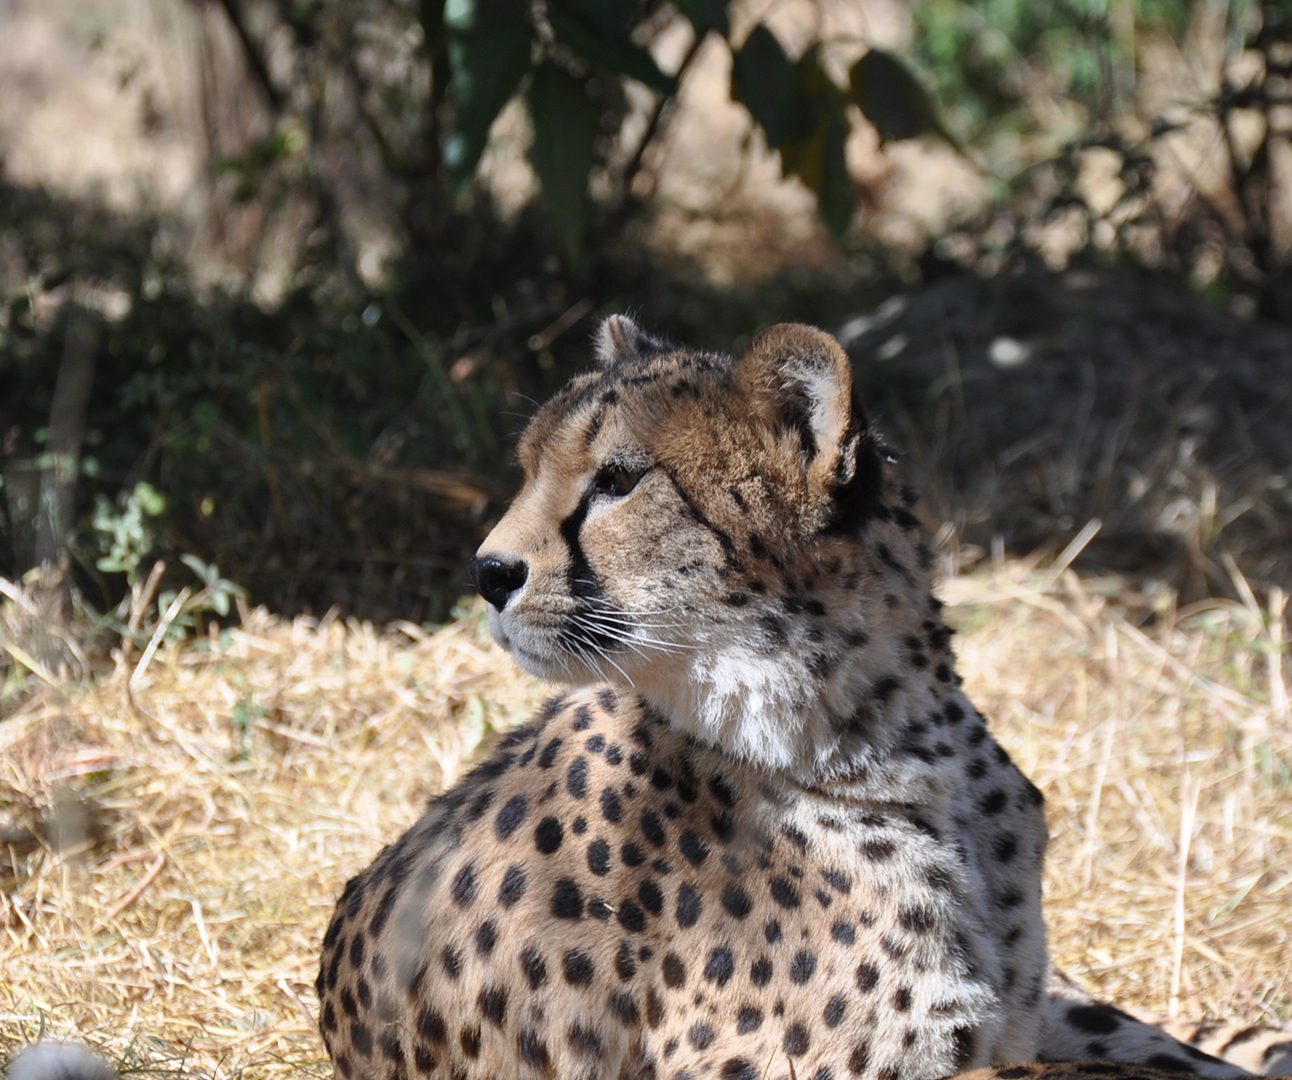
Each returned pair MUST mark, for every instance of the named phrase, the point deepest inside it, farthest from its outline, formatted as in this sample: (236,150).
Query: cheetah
(766,834)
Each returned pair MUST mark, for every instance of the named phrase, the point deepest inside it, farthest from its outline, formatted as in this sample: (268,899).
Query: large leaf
(815,152)
(891,98)
(489,53)
(605,46)
(566,121)
(764,80)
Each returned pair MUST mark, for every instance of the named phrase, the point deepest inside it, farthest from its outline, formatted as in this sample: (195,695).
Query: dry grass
(174,849)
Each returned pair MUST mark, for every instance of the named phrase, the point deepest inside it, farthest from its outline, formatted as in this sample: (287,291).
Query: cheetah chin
(766,834)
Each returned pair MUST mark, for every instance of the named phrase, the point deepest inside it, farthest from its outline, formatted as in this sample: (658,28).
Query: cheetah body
(769,835)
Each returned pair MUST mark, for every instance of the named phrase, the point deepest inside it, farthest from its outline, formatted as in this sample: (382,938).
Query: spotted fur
(767,834)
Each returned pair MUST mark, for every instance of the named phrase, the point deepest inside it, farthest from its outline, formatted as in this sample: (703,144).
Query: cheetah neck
(842,694)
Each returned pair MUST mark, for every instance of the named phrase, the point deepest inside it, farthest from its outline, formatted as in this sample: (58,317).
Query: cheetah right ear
(619,339)
(799,379)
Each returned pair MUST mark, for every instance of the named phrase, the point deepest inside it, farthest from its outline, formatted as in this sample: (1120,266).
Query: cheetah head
(692,526)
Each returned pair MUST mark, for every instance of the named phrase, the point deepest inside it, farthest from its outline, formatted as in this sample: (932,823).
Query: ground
(210,816)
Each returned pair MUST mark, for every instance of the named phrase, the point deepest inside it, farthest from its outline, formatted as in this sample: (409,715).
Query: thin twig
(134,894)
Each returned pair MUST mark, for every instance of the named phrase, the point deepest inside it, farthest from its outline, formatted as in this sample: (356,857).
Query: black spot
(738,1069)
(834,1009)
(721,791)
(567,900)
(674,971)
(361,1037)
(625,961)
(652,827)
(749,1018)
(736,901)
(431,1026)
(512,887)
(720,966)
(993,802)
(548,835)
(493,1004)
(867,977)
(584,1040)
(796,1041)
(654,1008)
(723,827)
(802,967)
(511,816)
(689,905)
(632,854)
(534,967)
(576,777)
(1094,1019)
(578,968)
(612,807)
(877,850)
(953,712)
(533,1050)
(463,889)
(885,687)
(760,972)
(599,857)
(624,1007)
(582,718)
(784,893)
(631,916)
(772,931)
(486,937)
(451,961)
(859,1059)
(650,896)
(902,999)
(701,1036)
(918,920)
(1006,847)
(773,630)
(479,805)
(470,1040)
(844,932)
(548,757)
(693,848)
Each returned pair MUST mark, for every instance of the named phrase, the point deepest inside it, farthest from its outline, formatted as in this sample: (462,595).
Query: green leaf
(815,154)
(819,161)
(566,122)
(705,15)
(489,54)
(607,50)
(763,79)
(891,98)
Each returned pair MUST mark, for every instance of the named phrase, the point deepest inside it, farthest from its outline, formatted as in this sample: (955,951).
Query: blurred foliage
(341,442)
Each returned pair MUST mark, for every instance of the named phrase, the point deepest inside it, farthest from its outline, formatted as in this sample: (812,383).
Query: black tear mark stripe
(700,518)
(582,581)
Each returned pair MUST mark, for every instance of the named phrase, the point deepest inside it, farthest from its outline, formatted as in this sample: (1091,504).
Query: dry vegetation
(177,833)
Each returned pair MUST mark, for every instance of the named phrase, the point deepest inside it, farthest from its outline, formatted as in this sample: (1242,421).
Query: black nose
(496,579)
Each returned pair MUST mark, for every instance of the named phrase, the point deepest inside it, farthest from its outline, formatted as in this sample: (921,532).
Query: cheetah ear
(619,339)
(798,379)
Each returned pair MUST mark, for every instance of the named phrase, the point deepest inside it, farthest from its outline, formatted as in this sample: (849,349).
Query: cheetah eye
(616,480)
